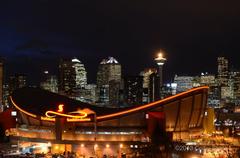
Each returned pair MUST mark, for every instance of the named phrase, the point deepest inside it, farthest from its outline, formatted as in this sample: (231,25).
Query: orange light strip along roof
(20,109)
(126,111)
(150,104)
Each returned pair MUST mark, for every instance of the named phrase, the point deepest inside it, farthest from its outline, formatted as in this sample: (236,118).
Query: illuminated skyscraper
(108,80)
(146,83)
(17,81)
(1,85)
(133,88)
(223,72)
(235,82)
(184,83)
(72,75)
(80,73)
(50,83)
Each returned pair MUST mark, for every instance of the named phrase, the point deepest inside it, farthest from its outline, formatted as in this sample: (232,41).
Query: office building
(5,96)
(72,75)
(214,93)
(50,84)
(223,71)
(235,82)
(17,81)
(86,94)
(133,90)
(184,83)
(109,80)
(146,82)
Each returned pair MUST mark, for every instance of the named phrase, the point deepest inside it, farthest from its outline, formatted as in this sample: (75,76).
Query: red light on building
(60,108)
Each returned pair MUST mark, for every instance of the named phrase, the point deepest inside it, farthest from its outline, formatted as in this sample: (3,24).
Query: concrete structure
(133,90)
(108,81)
(86,94)
(72,75)
(50,84)
(154,88)
(183,82)
(235,79)
(17,81)
(90,130)
(146,83)
(223,71)
(160,60)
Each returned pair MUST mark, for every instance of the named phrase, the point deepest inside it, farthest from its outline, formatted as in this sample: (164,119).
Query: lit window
(14,113)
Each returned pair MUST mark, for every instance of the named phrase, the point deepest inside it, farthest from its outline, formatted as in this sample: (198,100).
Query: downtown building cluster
(113,89)
(224,88)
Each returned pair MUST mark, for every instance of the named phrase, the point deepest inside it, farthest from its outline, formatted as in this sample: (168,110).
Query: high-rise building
(133,90)
(17,81)
(72,75)
(1,85)
(50,84)
(183,83)
(86,94)
(5,96)
(80,72)
(108,81)
(235,82)
(214,92)
(146,83)
(223,72)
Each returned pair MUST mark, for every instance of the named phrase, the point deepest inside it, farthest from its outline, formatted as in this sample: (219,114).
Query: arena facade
(48,122)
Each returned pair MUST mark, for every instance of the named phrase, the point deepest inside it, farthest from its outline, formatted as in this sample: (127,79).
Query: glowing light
(82,145)
(107,146)
(46,72)
(78,120)
(76,60)
(160,55)
(23,111)
(160,59)
(95,146)
(60,107)
(52,114)
(121,145)
(47,119)
(80,115)
(49,144)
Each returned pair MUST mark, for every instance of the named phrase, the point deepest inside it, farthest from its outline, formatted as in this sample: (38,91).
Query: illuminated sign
(60,108)
(74,116)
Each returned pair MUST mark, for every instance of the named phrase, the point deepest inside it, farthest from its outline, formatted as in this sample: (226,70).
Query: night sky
(34,34)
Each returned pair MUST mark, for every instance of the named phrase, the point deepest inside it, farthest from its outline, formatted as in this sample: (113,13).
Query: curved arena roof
(182,111)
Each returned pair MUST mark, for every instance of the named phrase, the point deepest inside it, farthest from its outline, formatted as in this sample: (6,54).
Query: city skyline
(92,75)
